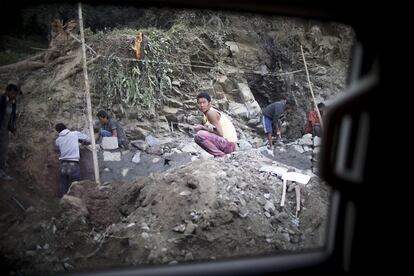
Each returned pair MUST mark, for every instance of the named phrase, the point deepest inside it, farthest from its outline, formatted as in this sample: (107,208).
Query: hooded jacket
(68,144)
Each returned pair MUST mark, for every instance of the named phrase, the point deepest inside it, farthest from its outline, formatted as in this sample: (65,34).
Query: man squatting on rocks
(217,134)
(68,145)
(110,127)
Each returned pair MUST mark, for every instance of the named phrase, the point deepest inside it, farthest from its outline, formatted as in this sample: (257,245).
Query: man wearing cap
(7,123)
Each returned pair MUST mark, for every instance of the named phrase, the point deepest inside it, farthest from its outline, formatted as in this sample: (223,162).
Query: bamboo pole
(310,87)
(88,97)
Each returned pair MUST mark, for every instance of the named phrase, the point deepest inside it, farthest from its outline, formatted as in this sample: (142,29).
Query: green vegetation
(121,80)
(130,83)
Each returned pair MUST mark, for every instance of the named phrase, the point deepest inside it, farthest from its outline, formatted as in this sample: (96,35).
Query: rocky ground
(165,200)
(208,208)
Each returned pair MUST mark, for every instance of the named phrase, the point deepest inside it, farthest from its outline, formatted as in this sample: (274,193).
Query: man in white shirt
(68,144)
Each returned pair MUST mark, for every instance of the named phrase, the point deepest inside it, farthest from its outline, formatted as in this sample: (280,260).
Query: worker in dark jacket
(7,123)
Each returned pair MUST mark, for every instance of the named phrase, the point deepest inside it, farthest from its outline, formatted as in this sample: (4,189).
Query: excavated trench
(268,89)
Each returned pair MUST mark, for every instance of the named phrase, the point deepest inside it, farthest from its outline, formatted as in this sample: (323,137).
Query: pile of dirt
(209,209)
(184,205)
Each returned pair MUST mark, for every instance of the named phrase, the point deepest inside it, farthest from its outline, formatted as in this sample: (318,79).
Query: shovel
(296,177)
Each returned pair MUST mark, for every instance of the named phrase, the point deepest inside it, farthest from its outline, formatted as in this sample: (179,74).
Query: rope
(247,71)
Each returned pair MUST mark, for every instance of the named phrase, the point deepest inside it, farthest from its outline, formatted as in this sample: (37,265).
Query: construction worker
(217,134)
(313,124)
(273,115)
(68,144)
(110,127)
(7,124)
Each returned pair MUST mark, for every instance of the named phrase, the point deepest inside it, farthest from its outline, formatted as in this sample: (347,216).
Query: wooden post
(282,202)
(297,191)
(88,97)
(310,87)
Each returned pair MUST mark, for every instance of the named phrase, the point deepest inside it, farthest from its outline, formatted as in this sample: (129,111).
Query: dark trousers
(4,148)
(69,172)
(317,130)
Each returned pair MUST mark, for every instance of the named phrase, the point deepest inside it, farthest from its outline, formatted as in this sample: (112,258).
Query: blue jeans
(106,133)
(69,172)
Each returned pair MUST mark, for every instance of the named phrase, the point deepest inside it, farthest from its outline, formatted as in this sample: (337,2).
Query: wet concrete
(290,157)
(125,169)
